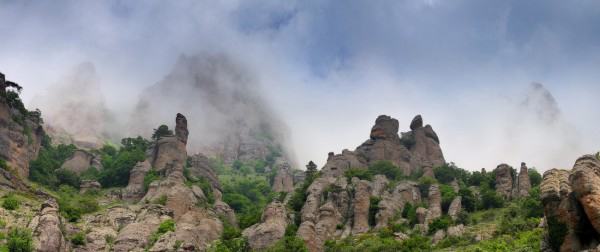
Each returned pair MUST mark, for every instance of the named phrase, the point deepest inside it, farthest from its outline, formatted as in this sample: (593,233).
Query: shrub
(165,226)
(237,201)
(424,183)
(532,204)
(11,203)
(359,173)
(289,243)
(448,195)
(468,201)
(407,141)
(441,223)
(19,240)
(490,199)
(162,200)
(373,208)
(88,205)
(71,213)
(535,178)
(386,168)
(162,130)
(556,232)
(150,177)
(78,239)
(3,164)
(446,173)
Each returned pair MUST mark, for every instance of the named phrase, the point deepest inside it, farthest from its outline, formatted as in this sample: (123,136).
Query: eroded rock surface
(504,181)
(523,183)
(83,160)
(46,228)
(270,229)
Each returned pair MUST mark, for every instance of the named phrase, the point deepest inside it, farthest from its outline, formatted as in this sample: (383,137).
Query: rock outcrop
(81,161)
(574,202)
(202,167)
(504,181)
(435,203)
(270,229)
(46,228)
(135,188)
(455,207)
(523,183)
(137,234)
(89,185)
(181,130)
(284,179)
(20,134)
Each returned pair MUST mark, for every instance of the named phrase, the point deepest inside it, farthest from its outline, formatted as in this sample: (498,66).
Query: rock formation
(416,150)
(89,185)
(523,183)
(270,229)
(435,203)
(455,207)
(284,179)
(135,188)
(504,181)
(20,134)
(82,160)
(201,167)
(46,228)
(573,199)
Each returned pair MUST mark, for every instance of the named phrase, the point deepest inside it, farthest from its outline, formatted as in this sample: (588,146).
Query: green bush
(162,130)
(19,240)
(448,195)
(165,226)
(490,199)
(441,223)
(151,176)
(386,168)
(79,239)
(373,209)
(88,205)
(408,142)
(535,178)
(237,201)
(557,231)
(11,203)
(3,164)
(446,173)
(50,158)
(424,183)
(162,200)
(468,202)
(66,177)
(410,212)
(532,204)
(359,173)
(289,243)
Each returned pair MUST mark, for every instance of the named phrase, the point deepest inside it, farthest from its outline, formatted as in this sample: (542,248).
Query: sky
(329,68)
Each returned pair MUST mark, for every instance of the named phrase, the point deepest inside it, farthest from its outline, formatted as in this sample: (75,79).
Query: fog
(320,71)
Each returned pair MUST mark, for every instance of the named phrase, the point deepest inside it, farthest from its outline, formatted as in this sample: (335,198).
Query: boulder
(455,185)
(87,185)
(455,207)
(456,230)
(82,160)
(438,236)
(504,181)
(270,229)
(523,183)
(46,228)
(222,208)
(202,167)
(416,122)
(137,234)
(421,215)
(135,188)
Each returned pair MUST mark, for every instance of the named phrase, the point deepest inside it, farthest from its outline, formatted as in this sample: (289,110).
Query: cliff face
(223,102)
(20,133)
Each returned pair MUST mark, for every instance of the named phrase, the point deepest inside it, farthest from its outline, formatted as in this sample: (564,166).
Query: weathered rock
(137,234)
(168,149)
(361,205)
(81,161)
(504,181)
(135,188)
(202,167)
(455,185)
(196,228)
(180,198)
(46,227)
(421,215)
(87,185)
(392,203)
(416,123)
(270,229)
(523,183)
(284,180)
(456,230)
(585,183)
(222,208)
(181,130)
(455,207)
(338,164)
(18,146)
(438,236)
(378,185)
(435,203)
(553,189)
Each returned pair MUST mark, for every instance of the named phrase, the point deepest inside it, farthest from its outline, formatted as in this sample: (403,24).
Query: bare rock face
(202,167)
(87,185)
(135,188)
(338,164)
(438,236)
(270,229)
(435,203)
(81,161)
(168,149)
(361,205)
(416,123)
(504,181)
(46,227)
(284,180)
(20,135)
(523,183)
(421,215)
(222,208)
(455,206)
(574,202)
(456,230)
(137,234)
(392,203)
(181,130)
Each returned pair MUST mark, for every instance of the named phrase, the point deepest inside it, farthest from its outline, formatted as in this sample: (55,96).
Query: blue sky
(466,66)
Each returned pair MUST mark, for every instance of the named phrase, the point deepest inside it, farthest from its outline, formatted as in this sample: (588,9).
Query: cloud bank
(328,68)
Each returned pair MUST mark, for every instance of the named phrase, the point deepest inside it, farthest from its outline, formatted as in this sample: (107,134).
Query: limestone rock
(81,161)
(523,183)
(456,230)
(87,185)
(181,130)
(435,203)
(421,215)
(222,208)
(361,205)
(202,167)
(416,123)
(338,164)
(196,228)
(504,181)
(455,207)
(585,183)
(137,234)
(455,185)
(46,227)
(135,187)
(553,189)
(270,229)
(284,180)
(438,236)
(167,149)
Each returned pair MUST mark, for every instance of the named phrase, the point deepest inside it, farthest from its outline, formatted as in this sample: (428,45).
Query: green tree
(19,240)
(66,177)
(386,168)
(162,130)
(534,177)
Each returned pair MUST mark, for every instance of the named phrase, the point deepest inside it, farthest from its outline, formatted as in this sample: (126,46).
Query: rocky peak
(385,127)
(504,180)
(181,128)
(523,183)
(416,122)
